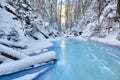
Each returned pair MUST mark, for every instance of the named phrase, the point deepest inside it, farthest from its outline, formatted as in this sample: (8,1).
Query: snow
(91,25)
(36,46)
(26,62)
(80,38)
(1,58)
(12,52)
(10,44)
(6,21)
(5,60)
(109,41)
(33,47)
(7,24)
(89,30)
(86,25)
(2,2)
(55,39)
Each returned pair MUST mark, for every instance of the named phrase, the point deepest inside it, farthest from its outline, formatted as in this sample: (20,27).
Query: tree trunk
(118,7)
(9,56)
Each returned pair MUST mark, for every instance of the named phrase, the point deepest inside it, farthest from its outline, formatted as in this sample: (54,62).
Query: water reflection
(63,44)
(62,61)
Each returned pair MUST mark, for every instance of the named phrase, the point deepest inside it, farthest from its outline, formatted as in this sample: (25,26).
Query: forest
(40,32)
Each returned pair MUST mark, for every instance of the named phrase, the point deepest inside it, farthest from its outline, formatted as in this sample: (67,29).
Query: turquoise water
(80,60)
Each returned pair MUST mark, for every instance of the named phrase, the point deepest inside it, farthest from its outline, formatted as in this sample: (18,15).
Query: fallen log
(12,44)
(33,37)
(9,56)
(1,62)
(25,63)
(44,35)
(11,52)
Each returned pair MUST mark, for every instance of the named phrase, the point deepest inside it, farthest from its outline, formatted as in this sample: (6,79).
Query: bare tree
(99,9)
(60,16)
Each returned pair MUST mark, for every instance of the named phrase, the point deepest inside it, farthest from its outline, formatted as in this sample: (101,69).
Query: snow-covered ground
(108,41)
(35,52)
(36,47)
(32,47)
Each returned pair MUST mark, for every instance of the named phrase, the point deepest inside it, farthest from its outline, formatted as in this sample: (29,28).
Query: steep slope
(18,21)
(22,29)
(96,18)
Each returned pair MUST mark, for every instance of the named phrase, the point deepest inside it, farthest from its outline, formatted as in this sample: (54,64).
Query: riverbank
(108,41)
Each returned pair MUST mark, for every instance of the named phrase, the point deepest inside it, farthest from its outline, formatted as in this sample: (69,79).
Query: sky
(60,0)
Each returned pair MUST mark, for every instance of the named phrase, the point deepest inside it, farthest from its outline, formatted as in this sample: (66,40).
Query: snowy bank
(26,62)
(36,46)
(108,41)
(111,41)
(55,39)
